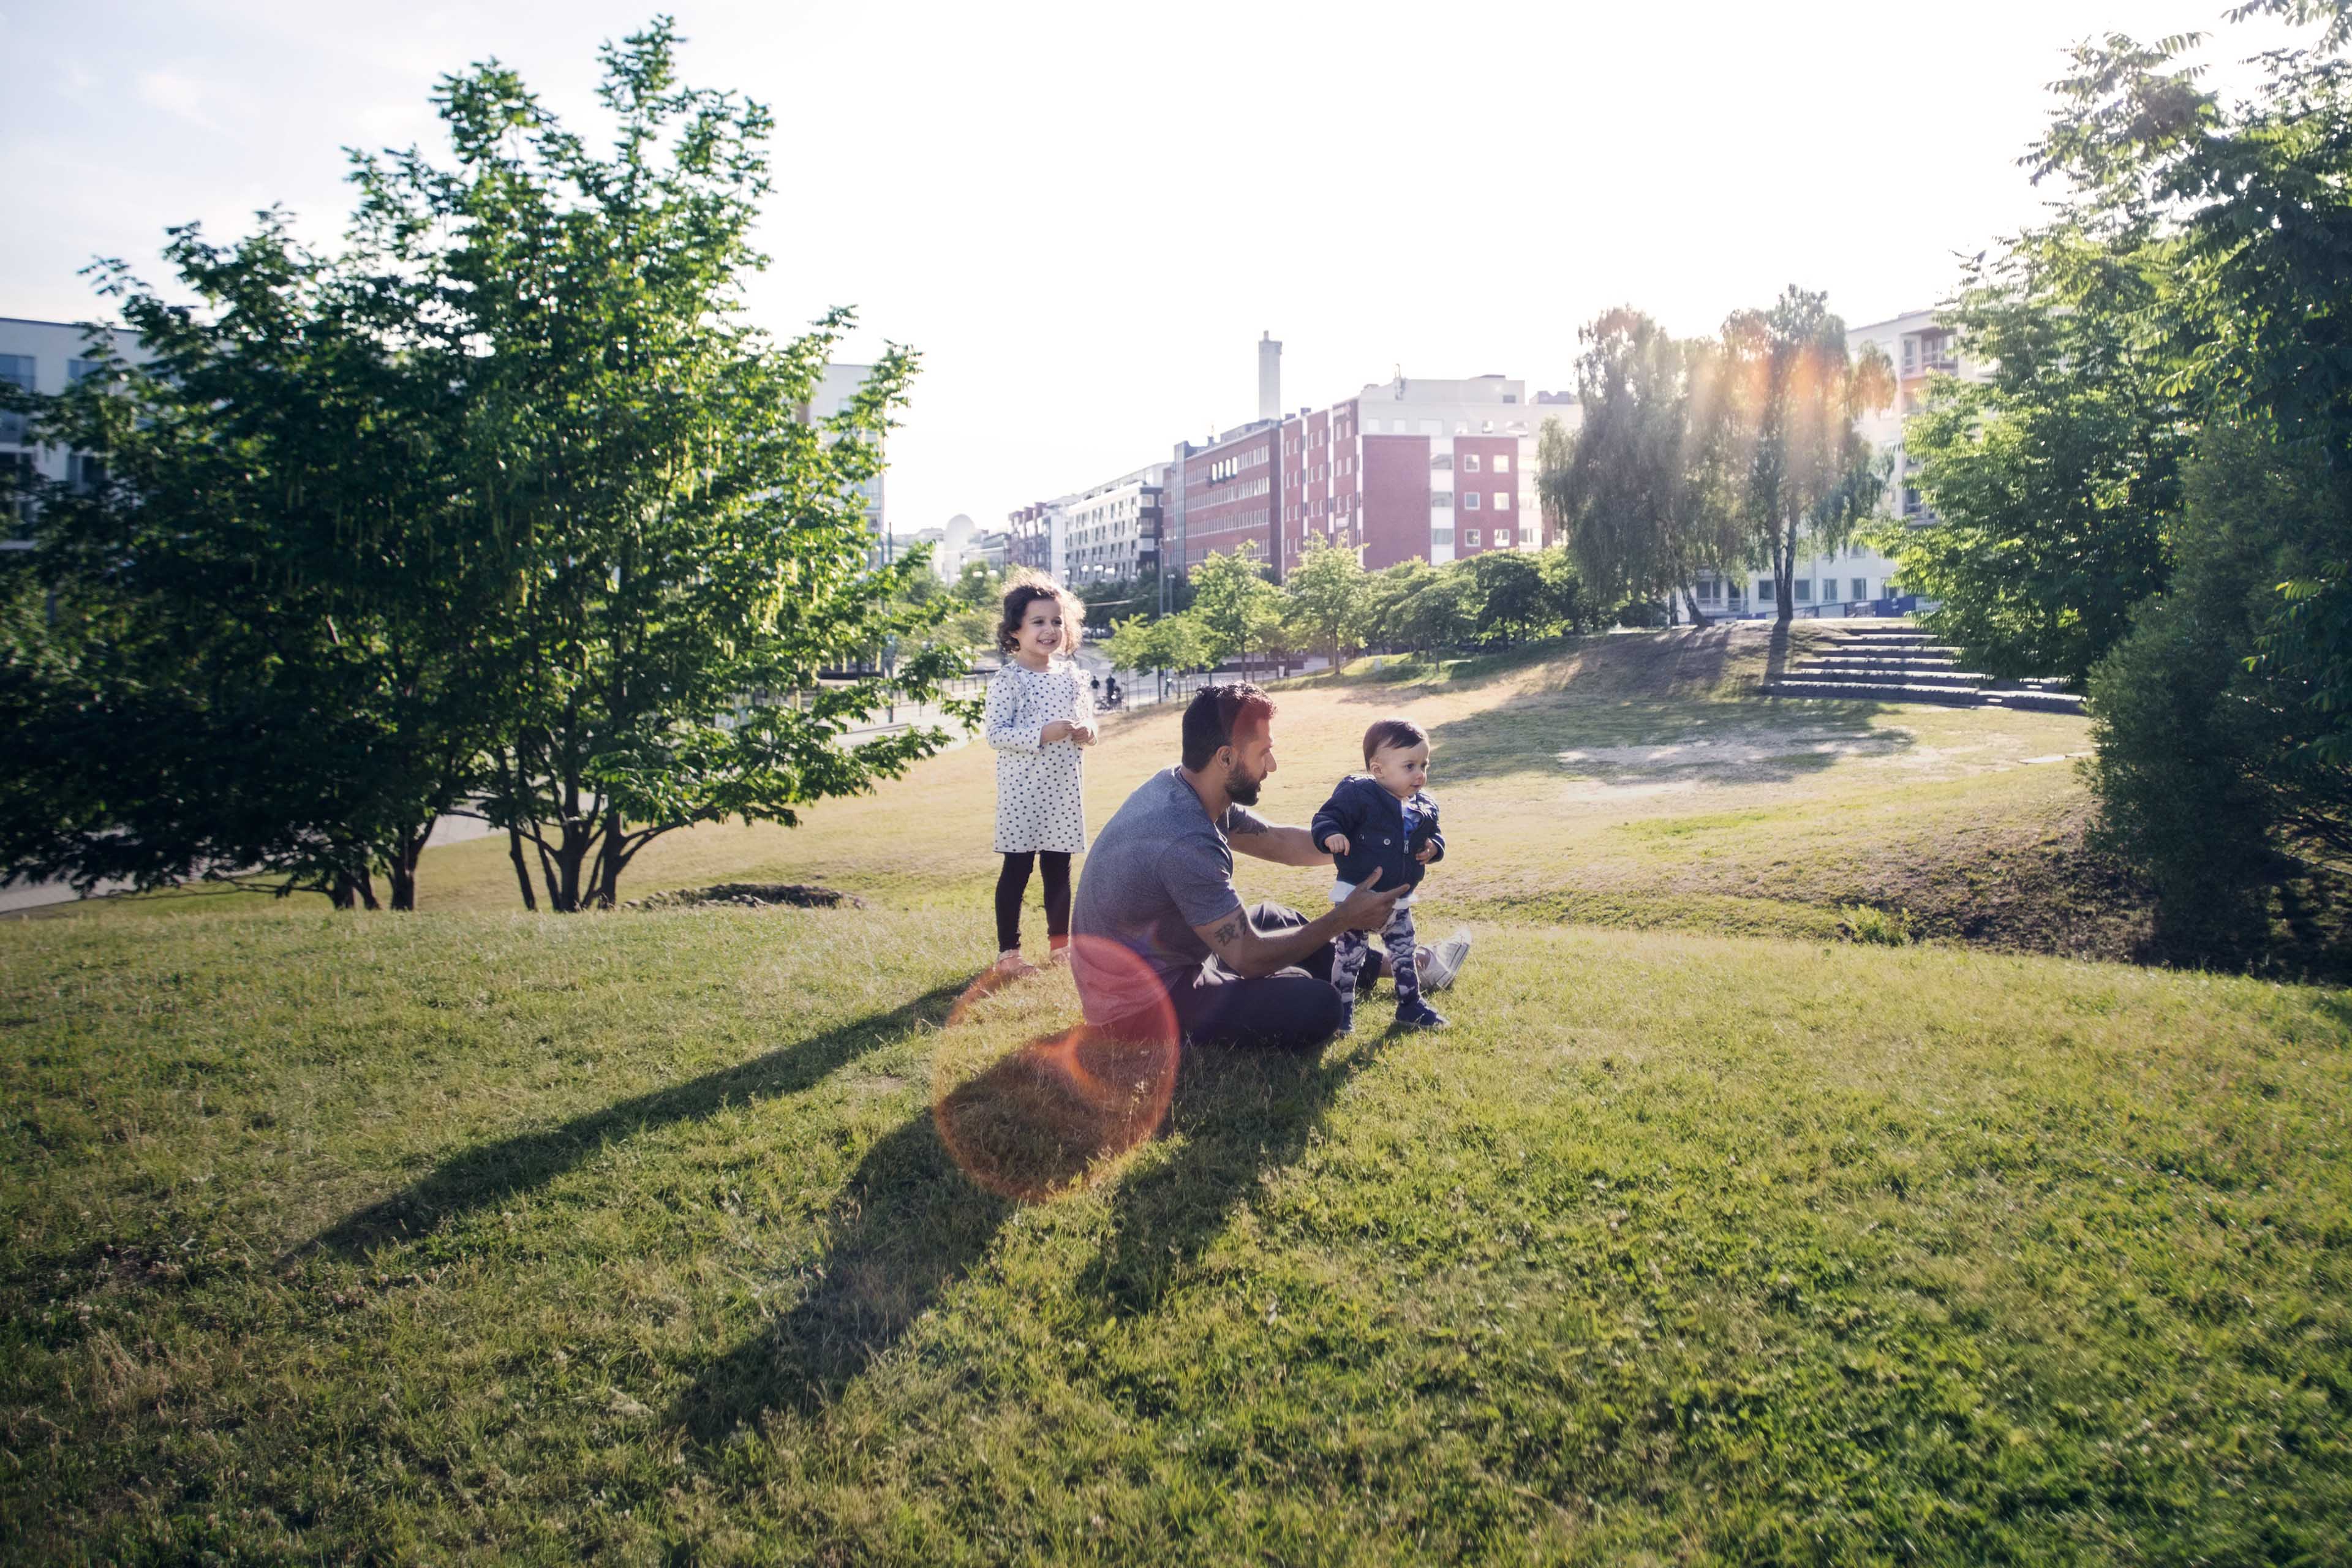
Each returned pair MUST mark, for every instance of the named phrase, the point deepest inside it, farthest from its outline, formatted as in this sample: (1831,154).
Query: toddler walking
(1381,820)
(1038,715)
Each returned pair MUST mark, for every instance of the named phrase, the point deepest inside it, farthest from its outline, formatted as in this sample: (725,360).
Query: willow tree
(1637,494)
(1791,399)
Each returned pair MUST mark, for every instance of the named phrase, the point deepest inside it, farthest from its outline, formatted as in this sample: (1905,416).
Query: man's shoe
(1420,1015)
(1438,965)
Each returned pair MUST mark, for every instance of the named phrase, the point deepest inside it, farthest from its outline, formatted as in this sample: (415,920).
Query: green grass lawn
(716,1236)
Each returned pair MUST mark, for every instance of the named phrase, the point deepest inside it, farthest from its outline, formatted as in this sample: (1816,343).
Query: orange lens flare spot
(1042,1121)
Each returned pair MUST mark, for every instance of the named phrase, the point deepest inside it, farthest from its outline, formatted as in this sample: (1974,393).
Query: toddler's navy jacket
(1373,821)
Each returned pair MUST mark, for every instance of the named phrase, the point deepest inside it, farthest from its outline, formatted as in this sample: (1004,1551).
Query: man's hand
(1367,909)
(1424,852)
(1336,844)
(1059,730)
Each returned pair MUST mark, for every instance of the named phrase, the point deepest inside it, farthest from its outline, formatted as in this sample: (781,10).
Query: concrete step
(2036,702)
(1882,677)
(1874,691)
(1888,645)
(1882,660)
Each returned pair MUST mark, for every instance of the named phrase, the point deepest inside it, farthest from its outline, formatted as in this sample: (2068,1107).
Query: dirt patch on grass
(751,896)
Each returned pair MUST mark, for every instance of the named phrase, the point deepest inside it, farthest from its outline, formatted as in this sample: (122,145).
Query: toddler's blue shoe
(1420,1015)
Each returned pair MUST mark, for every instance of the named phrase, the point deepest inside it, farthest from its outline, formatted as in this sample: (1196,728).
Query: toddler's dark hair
(1023,589)
(1399,732)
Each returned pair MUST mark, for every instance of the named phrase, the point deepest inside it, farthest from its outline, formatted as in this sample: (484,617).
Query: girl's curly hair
(1025,588)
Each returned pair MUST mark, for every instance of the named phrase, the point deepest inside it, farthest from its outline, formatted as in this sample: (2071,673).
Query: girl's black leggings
(1013,886)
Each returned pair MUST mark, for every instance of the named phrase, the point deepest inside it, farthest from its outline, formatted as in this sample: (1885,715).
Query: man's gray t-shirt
(1158,867)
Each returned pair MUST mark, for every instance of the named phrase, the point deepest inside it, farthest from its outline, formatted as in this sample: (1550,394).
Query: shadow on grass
(490,1174)
(1036,1122)
(1239,1114)
(926,1202)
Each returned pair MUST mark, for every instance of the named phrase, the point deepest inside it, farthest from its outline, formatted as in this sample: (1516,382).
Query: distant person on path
(1038,715)
(1163,935)
(1382,823)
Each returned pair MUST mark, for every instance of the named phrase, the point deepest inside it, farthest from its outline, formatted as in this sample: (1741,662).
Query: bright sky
(1083,215)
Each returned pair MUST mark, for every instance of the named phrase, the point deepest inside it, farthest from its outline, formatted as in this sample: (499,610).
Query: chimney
(1269,377)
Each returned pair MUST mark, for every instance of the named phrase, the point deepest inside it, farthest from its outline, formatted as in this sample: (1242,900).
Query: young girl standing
(1038,716)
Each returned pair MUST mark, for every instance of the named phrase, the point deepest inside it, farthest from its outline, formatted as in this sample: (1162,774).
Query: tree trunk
(1690,601)
(522,870)
(408,848)
(1784,576)
(608,863)
(366,886)
(568,857)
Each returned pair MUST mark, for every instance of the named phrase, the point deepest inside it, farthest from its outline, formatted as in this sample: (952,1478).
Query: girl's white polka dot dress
(1040,790)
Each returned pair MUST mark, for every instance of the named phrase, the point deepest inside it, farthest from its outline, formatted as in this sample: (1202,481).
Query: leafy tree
(1236,609)
(2207,764)
(270,585)
(1791,396)
(1443,611)
(1514,599)
(1388,595)
(2054,480)
(2255,199)
(1327,591)
(520,413)
(1639,491)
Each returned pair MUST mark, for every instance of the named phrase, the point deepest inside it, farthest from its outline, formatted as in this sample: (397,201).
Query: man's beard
(1241,789)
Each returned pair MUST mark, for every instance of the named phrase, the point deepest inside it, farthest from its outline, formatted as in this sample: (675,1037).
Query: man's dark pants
(1291,1009)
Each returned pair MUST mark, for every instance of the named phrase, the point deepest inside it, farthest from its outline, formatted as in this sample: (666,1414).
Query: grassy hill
(716,1236)
(1628,779)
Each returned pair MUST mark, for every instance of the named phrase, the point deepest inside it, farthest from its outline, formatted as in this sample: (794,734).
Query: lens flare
(1041,1120)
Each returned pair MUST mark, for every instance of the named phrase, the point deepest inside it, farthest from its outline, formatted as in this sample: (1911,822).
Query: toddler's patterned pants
(1352,947)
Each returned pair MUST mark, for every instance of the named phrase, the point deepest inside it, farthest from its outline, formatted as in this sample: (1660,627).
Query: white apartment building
(835,391)
(44,357)
(1111,532)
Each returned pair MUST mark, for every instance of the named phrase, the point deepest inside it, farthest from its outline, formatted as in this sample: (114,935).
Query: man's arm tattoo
(1227,933)
(1246,825)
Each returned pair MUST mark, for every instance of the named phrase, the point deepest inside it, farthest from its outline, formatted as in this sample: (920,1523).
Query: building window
(1461,427)
(1469,501)
(1443,461)
(1502,539)
(1469,462)
(1804,586)
(1763,590)
(1469,539)
(1862,588)
(1501,462)
(1441,536)
(1502,500)
(1440,500)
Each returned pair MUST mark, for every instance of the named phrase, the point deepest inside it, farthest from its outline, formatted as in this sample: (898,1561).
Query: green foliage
(1237,610)
(271,641)
(1174,643)
(1875,927)
(2206,763)
(1328,591)
(504,501)
(2054,480)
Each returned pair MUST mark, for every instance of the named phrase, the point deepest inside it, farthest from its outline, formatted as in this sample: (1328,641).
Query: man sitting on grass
(1161,937)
